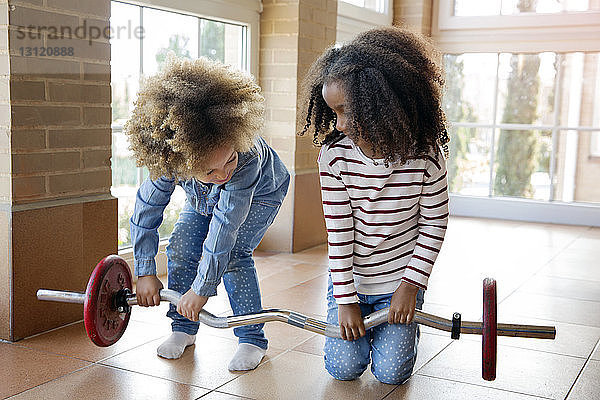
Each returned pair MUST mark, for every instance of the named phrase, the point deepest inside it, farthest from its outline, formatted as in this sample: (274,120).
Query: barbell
(108,299)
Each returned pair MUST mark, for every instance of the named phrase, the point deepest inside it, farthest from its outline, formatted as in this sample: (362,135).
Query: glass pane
(470,82)
(375,5)
(172,213)
(223,42)
(522,164)
(526,88)
(595,144)
(577,168)
(235,47)
(547,6)
(469,162)
(465,8)
(165,32)
(580,94)
(125,56)
(511,7)
(124,184)
(125,68)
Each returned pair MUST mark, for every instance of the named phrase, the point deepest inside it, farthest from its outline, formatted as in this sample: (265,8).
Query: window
(379,6)
(517,122)
(595,147)
(523,90)
(355,16)
(511,7)
(134,56)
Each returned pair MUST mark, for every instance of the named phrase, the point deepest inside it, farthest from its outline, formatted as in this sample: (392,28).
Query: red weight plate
(103,323)
(490,325)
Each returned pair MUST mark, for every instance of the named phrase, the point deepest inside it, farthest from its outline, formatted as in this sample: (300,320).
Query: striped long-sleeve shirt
(384,224)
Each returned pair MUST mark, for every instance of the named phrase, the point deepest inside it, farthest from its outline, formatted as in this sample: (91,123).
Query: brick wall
(60,104)
(293,34)
(414,13)
(57,217)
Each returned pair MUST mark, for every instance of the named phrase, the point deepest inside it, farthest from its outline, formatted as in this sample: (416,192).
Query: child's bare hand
(191,304)
(147,288)
(403,304)
(351,322)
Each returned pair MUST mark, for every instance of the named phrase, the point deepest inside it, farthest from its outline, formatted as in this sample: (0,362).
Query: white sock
(247,357)
(175,344)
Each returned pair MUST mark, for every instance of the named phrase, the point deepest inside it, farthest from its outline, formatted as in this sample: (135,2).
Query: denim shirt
(259,176)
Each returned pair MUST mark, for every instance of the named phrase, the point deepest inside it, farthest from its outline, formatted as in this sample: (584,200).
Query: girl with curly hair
(196,124)
(375,107)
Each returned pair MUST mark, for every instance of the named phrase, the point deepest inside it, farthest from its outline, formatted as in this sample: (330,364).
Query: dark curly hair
(393,85)
(188,110)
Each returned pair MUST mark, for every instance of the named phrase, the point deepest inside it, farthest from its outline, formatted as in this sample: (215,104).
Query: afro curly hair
(188,110)
(393,89)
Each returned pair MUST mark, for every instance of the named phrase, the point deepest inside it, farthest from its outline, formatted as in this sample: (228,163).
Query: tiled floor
(546,274)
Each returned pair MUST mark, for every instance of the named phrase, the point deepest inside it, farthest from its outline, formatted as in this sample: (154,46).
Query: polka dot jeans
(391,349)
(241,282)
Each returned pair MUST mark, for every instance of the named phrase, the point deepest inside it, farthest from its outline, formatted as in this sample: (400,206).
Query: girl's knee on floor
(345,360)
(346,370)
(393,373)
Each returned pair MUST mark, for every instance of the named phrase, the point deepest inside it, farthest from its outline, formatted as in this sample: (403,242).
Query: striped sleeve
(433,220)
(340,230)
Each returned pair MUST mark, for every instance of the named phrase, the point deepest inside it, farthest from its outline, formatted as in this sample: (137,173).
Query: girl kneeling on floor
(375,107)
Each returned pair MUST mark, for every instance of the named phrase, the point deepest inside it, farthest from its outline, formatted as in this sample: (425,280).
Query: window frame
(239,12)
(352,19)
(564,32)
(559,33)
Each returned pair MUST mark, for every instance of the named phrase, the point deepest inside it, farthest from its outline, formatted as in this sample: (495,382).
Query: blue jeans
(241,282)
(391,349)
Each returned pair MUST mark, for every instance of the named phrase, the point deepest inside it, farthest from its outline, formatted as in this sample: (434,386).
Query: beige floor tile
(307,298)
(593,232)
(585,244)
(317,256)
(468,311)
(215,395)
(551,308)
(539,235)
(269,266)
(519,370)
(226,333)
(290,277)
(73,341)
(571,340)
(151,315)
(203,364)
(24,368)
(313,345)
(580,270)
(563,287)
(99,382)
(284,336)
(297,375)
(587,386)
(576,256)
(459,295)
(596,353)
(427,388)
(429,347)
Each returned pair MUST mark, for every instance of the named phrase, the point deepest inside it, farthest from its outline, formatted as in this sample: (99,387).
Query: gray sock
(247,357)
(175,344)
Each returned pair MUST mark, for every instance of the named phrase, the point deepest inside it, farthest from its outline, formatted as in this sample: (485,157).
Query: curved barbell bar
(315,325)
